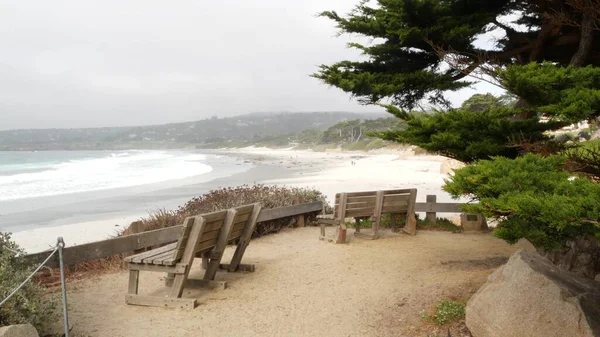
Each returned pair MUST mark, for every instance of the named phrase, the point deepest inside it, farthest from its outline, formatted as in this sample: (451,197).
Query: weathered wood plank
(373,193)
(431,217)
(155,301)
(396,198)
(283,212)
(96,250)
(438,207)
(138,258)
(134,281)
(245,238)
(221,243)
(176,269)
(352,212)
(210,284)
(395,209)
(250,268)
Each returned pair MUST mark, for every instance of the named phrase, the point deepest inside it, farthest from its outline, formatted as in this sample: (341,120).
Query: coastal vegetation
(547,60)
(228,197)
(214,132)
(30,304)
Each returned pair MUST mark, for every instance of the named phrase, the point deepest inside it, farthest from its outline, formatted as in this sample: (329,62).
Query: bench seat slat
(138,258)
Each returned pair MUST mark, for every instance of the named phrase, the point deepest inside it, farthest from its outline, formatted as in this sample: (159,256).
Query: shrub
(441,224)
(448,311)
(29,305)
(268,196)
(532,197)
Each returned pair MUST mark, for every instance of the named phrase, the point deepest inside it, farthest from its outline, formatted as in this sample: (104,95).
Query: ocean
(34,174)
(57,188)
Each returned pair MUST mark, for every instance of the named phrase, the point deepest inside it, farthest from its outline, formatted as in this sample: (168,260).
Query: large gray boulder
(529,296)
(19,330)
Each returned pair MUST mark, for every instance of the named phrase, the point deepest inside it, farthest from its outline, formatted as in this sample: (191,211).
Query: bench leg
(178,284)
(134,281)
(169,279)
(357,225)
(411,225)
(205,260)
(341,234)
(393,223)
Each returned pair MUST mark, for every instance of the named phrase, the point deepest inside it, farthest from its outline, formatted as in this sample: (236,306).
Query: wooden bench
(370,205)
(202,234)
(241,233)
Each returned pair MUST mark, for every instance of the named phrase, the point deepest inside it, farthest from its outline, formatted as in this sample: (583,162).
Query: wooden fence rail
(124,244)
(431,207)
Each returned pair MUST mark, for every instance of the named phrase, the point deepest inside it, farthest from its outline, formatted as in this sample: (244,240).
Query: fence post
(301,216)
(431,217)
(134,228)
(61,245)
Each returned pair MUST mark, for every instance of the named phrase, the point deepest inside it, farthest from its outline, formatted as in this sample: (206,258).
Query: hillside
(210,132)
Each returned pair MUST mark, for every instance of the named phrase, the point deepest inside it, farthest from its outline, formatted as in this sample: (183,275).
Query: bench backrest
(214,227)
(244,221)
(363,204)
(207,229)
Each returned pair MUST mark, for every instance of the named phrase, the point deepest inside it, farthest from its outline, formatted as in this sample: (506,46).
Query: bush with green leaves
(532,197)
(28,305)
(446,311)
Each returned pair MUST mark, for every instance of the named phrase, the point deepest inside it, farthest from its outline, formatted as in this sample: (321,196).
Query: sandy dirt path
(303,287)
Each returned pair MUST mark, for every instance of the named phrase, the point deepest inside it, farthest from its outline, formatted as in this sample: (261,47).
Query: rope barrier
(12,250)
(60,244)
(29,277)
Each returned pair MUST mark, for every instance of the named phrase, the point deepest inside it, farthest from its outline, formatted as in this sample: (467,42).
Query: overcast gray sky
(84,63)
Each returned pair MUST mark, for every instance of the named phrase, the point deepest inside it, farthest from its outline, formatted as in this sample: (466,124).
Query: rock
(449,165)
(19,330)
(473,222)
(529,296)
(55,328)
(596,135)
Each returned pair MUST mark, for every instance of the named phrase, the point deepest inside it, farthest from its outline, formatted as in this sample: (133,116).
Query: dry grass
(268,196)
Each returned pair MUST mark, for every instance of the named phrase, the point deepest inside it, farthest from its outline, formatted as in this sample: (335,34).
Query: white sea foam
(120,169)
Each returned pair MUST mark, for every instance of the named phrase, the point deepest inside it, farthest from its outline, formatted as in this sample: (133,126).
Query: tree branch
(585,42)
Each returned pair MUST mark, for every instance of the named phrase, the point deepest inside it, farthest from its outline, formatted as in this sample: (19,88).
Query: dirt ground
(304,287)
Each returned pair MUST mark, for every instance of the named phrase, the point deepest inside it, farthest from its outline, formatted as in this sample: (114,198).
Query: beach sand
(304,287)
(330,172)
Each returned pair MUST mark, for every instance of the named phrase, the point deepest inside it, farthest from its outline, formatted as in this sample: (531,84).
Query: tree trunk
(582,256)
(585,43)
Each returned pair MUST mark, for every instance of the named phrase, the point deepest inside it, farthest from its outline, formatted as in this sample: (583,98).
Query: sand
(304,287)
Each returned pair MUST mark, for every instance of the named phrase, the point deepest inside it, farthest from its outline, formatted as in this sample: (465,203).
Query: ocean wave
(108,171)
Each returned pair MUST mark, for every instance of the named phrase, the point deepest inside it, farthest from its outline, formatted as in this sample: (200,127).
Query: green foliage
(441,224)
(569,94)
(268,196)
(29,305)
(413,38)
(482,102)
(448,311)
(356,130)
(469,135)
(532,197)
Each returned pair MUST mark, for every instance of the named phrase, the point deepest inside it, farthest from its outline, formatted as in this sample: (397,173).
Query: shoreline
(329,172)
